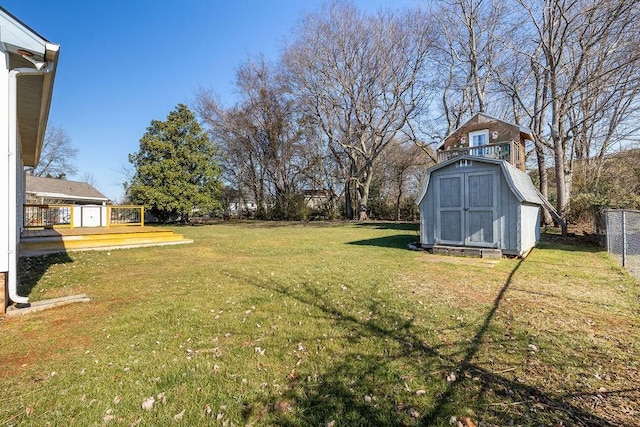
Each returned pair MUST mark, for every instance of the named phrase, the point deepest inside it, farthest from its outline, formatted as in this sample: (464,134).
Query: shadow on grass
(369,388)
(572,243)
(412,226)
(31,270)
(398,241)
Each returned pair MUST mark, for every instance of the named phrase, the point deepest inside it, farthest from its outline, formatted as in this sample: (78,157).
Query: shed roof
(28,50)
(62,189)
(519,182)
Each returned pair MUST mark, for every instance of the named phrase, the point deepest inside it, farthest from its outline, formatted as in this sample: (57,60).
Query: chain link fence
(623,238)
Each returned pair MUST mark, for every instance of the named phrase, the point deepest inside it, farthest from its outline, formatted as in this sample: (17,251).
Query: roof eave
(66,196)
(51,57)
(27,50)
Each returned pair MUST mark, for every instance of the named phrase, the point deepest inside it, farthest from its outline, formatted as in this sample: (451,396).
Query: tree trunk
(364,192)
(562,188)
(347,199)
(363,199)
(398,206)
(544,179)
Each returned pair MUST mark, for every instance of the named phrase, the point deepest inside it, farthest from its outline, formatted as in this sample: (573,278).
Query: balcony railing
(509,151)
(48,216)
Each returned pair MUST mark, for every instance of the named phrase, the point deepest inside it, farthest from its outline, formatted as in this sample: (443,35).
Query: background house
(478,195)
(84,205)
(45,191)
(320,202)
(486,136)
(27,70)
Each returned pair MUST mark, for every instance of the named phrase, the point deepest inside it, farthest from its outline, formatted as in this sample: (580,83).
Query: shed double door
(466,209)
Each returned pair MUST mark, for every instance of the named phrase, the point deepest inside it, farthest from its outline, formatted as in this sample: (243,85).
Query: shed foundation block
(467,252)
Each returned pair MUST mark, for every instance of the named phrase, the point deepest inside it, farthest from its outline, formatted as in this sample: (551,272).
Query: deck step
(100,240)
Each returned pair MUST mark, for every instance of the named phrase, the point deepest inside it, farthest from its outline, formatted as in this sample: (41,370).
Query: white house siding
(4,161)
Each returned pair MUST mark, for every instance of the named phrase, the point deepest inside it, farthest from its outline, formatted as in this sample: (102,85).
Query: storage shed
(477,202)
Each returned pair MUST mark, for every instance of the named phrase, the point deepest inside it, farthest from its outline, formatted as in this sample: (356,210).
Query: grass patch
(294,324)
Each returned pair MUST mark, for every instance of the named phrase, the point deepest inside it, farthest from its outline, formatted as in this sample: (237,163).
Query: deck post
(4,295)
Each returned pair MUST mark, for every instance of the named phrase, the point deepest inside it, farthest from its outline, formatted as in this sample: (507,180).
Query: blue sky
(125,62)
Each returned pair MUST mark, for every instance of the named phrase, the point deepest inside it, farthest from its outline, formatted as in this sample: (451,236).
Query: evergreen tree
(175,168)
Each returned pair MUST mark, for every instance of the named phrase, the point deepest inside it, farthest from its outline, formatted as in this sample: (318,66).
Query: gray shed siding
(530,235)
(510,213)
(514,222)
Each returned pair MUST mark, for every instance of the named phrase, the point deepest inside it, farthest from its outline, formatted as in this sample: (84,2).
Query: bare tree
(90,179)
(401,164)
(261,139)
(360,78)
(241,158)
(468,34)
(606,110)
(58,155)
(581,47)
(525,86)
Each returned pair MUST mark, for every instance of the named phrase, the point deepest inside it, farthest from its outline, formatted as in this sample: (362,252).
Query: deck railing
(62,216)
(509,151)
(125,215)
(48,216)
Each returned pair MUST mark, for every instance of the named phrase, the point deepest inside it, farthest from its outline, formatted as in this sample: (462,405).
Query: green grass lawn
(323,324)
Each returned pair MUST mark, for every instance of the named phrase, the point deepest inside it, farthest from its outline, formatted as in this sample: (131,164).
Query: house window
(479,138)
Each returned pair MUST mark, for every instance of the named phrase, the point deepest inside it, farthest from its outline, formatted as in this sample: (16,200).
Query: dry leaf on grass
(283,406)
(466,422)
(147,404)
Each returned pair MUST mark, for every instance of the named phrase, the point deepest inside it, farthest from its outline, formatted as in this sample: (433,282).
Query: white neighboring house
(27,71)
(241,208)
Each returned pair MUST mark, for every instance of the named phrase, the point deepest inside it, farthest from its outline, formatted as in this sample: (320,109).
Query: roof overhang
(28,50)
(61,196)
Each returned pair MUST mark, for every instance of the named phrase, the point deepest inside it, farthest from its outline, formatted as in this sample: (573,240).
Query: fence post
(608,229)
(624,239)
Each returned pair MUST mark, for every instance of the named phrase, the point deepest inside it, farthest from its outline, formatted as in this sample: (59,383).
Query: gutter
(14,149)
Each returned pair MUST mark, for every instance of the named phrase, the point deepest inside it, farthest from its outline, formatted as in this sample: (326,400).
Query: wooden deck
(81,231)
(35,242)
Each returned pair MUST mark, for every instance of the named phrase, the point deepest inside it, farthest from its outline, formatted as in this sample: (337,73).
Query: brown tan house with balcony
(488,137)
